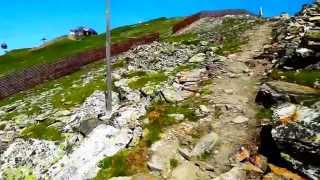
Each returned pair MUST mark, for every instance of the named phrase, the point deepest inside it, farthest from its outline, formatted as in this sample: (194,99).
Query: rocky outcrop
(278,92)
(296,132)
(82,162)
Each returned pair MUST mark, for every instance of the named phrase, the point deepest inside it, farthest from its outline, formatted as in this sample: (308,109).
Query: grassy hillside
(23,58)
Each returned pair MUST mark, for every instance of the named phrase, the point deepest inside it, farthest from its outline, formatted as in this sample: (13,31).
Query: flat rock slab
(82,163)
(205,144)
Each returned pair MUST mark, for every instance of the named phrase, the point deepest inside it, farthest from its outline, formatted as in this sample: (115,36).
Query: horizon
(55,18)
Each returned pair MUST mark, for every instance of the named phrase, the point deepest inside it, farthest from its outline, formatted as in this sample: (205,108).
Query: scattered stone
(278,92)
(178,117)
(235,173)
(204,109)
(82,162)
(205,144)
(184,153)
(240,119)
(198,58)
(36,153)
(185,171)
(228,91)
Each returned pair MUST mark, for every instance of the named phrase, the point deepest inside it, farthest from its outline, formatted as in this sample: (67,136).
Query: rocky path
(233,99)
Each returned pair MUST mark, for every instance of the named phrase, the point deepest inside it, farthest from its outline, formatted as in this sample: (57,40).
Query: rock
(62,113)
(278,92)
(235,173)
(162,152)
(260,161)
(93,107)
(186,171)
(121,178)
(296,132)
(144,177)
(284,173)
(87,126)
(184,153)
(82,162)
(172,95)
(205,144)
(178,117)
(204,109)
(304,52)
(190,76)
(36,154)
(198,58)
(240,119)
(228,91)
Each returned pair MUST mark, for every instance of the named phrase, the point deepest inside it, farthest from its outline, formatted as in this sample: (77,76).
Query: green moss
(264,113)
(304,77)
(232,30)
(119,64)
(42,131)
(21,173)
(136,74)
(185,67)
(2,126)
(124,163)
(173,163)
(189,38)
(159,119)
(313,35)
(154,78)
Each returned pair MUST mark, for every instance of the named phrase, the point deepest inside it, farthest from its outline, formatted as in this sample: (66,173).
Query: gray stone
(235,173)
(185,171)
(205,144)
(296,132)
(278,92)
(240,119)
(198,58)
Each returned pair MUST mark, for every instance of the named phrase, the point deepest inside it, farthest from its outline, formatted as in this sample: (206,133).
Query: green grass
(159,119)
(173,163)
(304,77)
(264,113)
(42,131)
(232,30)
(70,88)
(184,39)
(142,80)
(313,35)
(16,60)
(124,163)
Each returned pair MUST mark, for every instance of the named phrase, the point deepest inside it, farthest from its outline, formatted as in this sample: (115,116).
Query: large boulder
(279,92)
(296,132)
(36,154)
(82,163)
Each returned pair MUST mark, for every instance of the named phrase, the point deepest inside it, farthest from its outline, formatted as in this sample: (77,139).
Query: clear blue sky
(24,22)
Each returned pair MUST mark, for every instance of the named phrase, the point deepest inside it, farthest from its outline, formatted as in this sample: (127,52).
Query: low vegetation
(125,163)
(143,79)
(42,131)
(189,38)
(303,77)
(264,113)
(160,116)
(19,59)
(231,34)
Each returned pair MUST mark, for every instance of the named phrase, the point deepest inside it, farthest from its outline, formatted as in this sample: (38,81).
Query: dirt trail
(233,96)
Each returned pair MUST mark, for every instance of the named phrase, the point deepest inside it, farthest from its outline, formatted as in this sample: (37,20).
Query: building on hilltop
(81,32)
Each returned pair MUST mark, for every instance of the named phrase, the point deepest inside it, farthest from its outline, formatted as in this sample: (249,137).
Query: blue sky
(24,22)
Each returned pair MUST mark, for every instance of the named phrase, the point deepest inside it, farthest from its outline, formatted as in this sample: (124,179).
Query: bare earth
(233,96)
